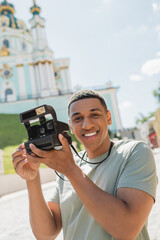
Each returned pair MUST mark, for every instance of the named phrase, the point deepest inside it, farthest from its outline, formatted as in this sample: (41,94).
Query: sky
(106,41)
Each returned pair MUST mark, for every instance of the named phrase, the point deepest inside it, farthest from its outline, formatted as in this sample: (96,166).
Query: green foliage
(7,159)
(143,118)
(156,93)
(12,132)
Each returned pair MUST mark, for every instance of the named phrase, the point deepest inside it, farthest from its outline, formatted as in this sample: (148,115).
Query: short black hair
(82,94)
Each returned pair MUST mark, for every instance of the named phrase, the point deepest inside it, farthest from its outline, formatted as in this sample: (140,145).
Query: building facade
(27,65)
(30,75)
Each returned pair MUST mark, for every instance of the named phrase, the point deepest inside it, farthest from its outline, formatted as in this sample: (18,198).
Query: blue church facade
(27,65)
(30,75)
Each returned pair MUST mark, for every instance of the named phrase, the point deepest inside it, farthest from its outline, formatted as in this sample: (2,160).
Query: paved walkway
(14,218)
(10,183)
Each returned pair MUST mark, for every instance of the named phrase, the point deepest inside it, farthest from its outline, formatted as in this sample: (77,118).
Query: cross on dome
(35,10)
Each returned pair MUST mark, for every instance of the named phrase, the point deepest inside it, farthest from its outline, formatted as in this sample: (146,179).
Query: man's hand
(23,166)
(60,160)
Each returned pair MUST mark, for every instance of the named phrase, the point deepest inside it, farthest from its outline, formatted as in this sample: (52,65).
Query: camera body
(45,134)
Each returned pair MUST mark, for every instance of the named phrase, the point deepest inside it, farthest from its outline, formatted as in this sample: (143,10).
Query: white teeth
(90,134)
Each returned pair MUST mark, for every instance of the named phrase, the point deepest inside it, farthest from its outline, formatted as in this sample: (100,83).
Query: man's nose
(87,123)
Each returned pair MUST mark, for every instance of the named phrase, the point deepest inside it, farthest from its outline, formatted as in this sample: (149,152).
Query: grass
(12,134)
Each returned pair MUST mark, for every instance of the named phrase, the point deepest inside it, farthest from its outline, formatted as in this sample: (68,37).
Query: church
(30,75)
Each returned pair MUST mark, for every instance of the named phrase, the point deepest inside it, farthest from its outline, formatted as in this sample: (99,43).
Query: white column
(44,89)
(45,77)
(64,87)
(48,76)
(39,32)
(40,35)
(33,80)
(115,109)
(21,80)
(37,80)
(51,78)
(41,76)
(68,80)
(54,87)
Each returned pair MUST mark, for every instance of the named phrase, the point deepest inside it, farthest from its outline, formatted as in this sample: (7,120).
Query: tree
(156,93)
(143,118)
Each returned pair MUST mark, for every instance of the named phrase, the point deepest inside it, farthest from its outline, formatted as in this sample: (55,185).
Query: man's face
(89,121)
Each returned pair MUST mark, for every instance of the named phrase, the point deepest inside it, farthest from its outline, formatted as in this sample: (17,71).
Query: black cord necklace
(82,158)
(109,152)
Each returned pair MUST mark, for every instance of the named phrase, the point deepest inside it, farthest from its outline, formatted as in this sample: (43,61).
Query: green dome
(35,10)
(7,18)
(6,8)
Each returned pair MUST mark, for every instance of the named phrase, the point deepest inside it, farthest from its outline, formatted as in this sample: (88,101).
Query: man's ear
(71,127)
(109,118)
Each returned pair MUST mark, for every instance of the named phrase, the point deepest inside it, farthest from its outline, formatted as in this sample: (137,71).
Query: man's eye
(95,115)
(76,119)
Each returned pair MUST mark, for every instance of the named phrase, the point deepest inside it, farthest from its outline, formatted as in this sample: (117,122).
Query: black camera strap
(82,158)
(109,152)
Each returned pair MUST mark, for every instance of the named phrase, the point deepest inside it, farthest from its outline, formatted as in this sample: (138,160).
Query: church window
(23,46)
(56,73)
(7,73)
(8,92)
(6,43)
(4,24)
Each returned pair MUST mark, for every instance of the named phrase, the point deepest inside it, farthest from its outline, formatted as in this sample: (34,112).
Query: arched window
(6,43)
(24,46)
(4,24)
(8,92)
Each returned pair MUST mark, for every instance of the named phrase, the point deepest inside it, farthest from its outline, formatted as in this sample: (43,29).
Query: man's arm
(122,216)
(45,219)
(45,222)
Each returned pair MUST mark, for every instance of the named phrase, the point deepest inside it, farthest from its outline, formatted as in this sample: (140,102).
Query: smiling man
(106,192)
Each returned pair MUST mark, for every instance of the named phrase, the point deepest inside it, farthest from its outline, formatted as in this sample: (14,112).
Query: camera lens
(42,130)
(49,125)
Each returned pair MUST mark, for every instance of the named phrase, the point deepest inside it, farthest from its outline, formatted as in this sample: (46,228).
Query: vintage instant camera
(44,133)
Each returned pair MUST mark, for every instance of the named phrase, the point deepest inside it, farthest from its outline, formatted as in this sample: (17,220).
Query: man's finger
(63,141)
(18,152)
(36,151)
(18,159)
(21,146)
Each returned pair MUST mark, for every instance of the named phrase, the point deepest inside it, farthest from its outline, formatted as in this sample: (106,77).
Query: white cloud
(99,8)
(107,2)
(136,78)
(155,6)
(142,28)
(151,67)
(157,28)
(125,104)
(158,54)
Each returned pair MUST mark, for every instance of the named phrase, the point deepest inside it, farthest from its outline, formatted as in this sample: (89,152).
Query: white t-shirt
(130,164)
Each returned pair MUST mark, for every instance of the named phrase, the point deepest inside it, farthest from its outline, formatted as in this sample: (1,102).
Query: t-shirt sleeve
(140,170)
(55,193)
